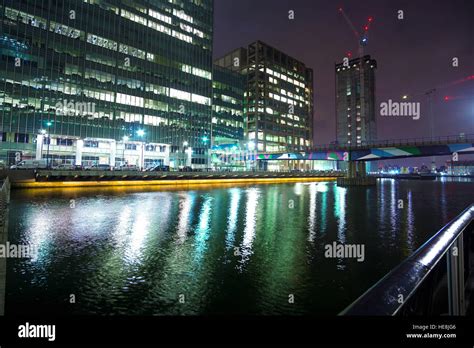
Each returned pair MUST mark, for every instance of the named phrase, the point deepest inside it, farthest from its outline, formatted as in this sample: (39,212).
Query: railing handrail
(383,298)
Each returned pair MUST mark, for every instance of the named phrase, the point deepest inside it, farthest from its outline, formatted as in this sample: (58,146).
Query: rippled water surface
(221,250)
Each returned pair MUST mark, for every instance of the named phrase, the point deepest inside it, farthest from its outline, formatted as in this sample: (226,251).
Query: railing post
(455,277)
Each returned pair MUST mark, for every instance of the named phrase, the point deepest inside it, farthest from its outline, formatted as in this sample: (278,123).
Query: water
(246,249)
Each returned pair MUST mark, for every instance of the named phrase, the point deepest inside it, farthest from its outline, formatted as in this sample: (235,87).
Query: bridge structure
(356,156)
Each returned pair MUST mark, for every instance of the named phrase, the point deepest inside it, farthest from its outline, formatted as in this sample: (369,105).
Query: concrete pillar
(361,169)
(141,155)
(166,162)
(189,153)
(113,152)
(39,146)
(352,169)
(79,146)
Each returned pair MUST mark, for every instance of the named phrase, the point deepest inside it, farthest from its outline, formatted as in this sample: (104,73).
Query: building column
(361,169)
(189,153)
(166,161)
(141,156)
(39,146)
(352,169)
(79,146)
(113,152)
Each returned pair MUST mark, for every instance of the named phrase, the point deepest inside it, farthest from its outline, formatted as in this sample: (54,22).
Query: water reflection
(139,252)
(203,230)
(410,223)
(233,217)
(250,222)
(312,212)
(186,202)
(340,212)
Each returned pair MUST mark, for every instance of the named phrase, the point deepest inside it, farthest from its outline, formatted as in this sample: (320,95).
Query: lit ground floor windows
(95,151)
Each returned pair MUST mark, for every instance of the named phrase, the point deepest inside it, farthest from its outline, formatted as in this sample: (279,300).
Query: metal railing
(432,281)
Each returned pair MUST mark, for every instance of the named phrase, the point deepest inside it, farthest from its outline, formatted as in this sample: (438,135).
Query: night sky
(413,55)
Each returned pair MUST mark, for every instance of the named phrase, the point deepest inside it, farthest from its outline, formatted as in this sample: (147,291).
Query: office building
(106,81)
(355,101)
(278,110)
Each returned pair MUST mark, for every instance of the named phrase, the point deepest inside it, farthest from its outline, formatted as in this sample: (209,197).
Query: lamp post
(205,140)
(43,133)
(48,124)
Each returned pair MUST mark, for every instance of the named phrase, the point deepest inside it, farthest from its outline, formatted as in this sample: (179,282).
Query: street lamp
(46,135)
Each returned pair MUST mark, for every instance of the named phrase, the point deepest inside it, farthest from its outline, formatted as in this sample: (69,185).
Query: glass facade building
(227,106)
(278,113)
(85,76)
(227,119)
(355,111)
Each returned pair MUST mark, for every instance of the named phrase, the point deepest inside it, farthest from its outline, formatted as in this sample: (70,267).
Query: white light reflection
(203,228)
(140,229)
(322,186)
(312,211)
(298,189)
(393,208)
(232,217)
(39,232)
(123,225)
(410,222)
(250,222)
(341,213)
(185,205)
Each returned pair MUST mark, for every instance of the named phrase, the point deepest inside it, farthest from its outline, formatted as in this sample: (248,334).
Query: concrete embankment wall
(66,179)
(164,183)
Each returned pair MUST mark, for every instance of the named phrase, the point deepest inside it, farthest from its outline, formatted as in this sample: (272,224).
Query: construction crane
(361,36)
(362,40)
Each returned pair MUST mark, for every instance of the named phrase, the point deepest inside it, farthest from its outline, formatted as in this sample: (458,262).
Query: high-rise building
(106,80)
(227,119)
(355,101)
(227,106)
(278,113)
